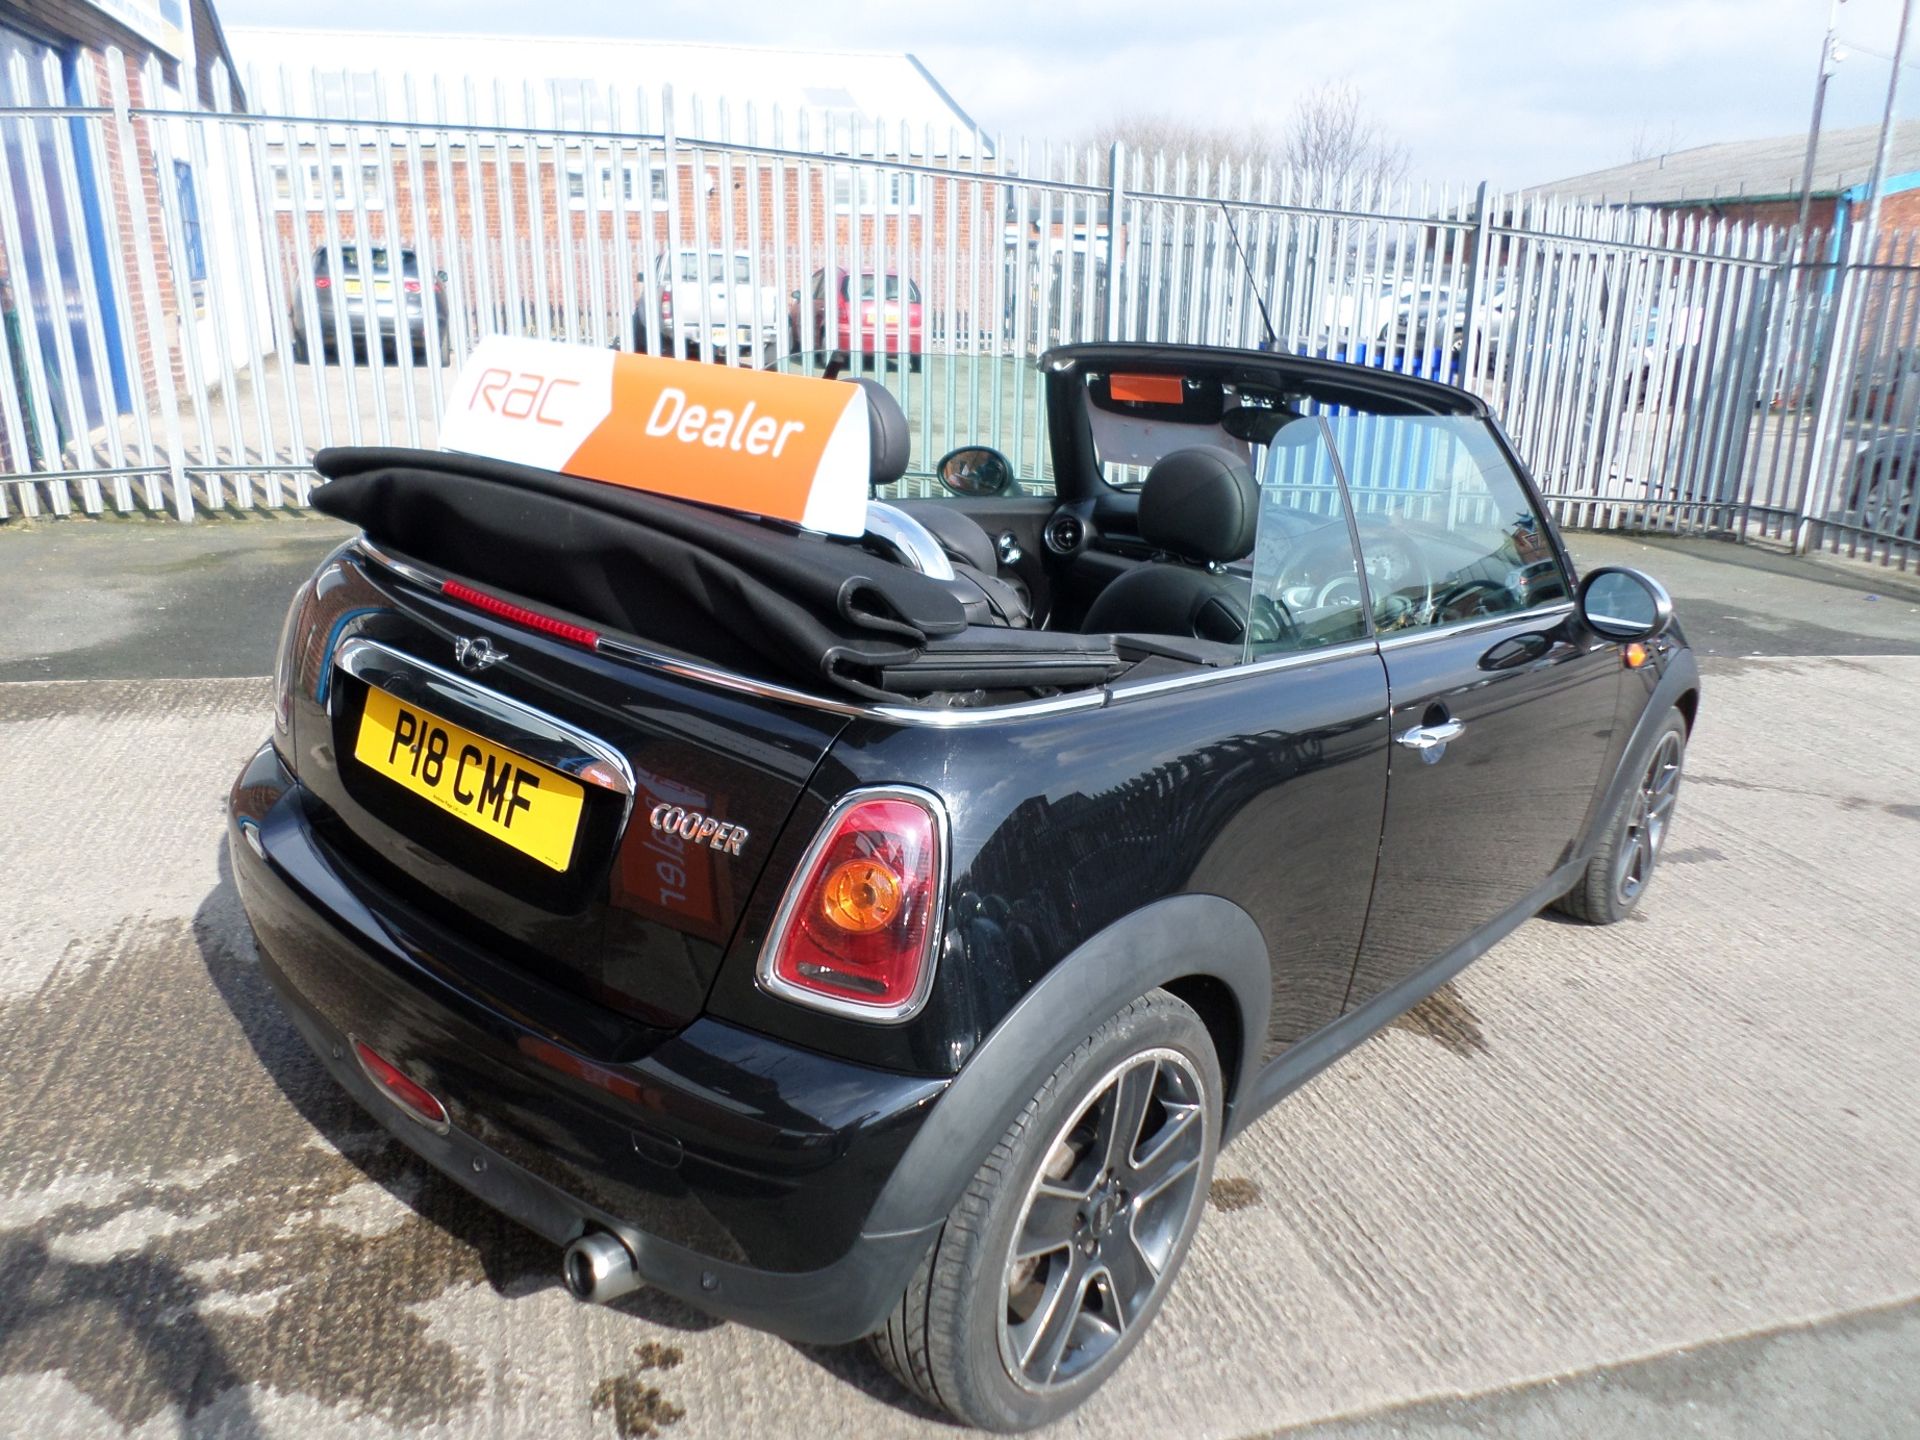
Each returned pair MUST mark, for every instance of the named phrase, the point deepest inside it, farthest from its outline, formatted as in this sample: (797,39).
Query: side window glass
(1447,532)
(1306,579)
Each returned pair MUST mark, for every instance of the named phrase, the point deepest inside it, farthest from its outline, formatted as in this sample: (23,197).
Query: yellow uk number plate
(520,803)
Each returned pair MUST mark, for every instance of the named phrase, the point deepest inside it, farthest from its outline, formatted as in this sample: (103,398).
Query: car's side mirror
(796,297)
(975,470)
(441,276)
(1624,604)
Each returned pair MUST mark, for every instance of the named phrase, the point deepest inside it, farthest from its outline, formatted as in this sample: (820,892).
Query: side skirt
(1306,1058)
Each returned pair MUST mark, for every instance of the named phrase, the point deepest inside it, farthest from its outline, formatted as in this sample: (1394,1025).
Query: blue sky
(1514,91)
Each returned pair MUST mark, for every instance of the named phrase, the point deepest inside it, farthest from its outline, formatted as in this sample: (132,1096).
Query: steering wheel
(1449,600)
(1397,577)
(1269,621)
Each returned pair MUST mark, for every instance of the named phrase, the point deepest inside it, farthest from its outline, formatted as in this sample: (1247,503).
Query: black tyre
(913,363)
(1884,499)
(1059,1254)
(299,348)
(1622,867)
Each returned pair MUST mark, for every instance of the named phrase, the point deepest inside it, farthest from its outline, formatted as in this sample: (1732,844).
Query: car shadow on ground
(142,1309)
(514,1261)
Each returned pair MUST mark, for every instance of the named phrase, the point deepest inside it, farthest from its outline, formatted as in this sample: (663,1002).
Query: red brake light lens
(416,1100)
(857,928)
(520,615)
(413,286)
(321,282)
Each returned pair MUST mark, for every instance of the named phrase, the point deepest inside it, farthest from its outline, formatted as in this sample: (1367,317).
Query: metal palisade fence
(195,301)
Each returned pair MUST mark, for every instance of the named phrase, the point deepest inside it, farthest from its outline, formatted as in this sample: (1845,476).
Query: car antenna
(1273,340)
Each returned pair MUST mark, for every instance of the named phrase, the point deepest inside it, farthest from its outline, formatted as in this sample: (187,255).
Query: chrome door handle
(1426,738)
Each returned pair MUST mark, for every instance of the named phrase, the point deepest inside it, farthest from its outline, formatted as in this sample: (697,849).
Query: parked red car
(887,324)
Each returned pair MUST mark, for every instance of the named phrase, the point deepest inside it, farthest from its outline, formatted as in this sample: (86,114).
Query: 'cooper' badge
(700,829)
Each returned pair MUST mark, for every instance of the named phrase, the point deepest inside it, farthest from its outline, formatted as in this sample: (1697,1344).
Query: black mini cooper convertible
(880,937)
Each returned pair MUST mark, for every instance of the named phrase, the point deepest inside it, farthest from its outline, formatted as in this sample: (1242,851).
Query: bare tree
(1649,144)
(1152,134)
(1328,142)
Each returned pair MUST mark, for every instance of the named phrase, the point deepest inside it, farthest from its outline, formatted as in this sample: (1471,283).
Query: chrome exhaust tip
(598,1267)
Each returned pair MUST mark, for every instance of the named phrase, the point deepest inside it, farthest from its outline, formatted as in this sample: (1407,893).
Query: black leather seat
(1201,507)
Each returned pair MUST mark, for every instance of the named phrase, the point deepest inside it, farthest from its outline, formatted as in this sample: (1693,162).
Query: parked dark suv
(359,300)
(881,937)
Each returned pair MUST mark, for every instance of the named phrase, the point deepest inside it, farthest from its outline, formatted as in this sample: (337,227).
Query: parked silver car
(359,297)
(723,313)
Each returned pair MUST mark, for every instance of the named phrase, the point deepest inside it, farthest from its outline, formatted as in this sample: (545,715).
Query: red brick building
(527,166)
(78,353)
(1759,181)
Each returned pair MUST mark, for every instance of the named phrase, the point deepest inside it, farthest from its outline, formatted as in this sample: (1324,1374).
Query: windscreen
(1446,526)
(955,403)
(892,283)
(1136,418)
(717,265)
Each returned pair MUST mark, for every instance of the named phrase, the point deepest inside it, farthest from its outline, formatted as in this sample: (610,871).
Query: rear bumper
(737,1169)
(360,323)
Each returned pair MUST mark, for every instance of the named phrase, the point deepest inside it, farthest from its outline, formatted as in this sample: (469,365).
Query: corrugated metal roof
(1747,169)
(565,82)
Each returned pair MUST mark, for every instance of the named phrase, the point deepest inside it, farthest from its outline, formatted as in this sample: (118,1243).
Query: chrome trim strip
(533,733)
(1115,693)
(1398,639)
(900,714)
(769,690)
(1124,691)
(400,567)
(773,984)
(908,539)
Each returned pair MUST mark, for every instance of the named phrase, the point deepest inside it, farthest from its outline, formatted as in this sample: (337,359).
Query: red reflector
(412,286)
(415,1099)
(321,282)
(857,927)
(520,615)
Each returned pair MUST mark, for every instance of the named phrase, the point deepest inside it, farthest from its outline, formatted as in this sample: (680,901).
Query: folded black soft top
(757,598)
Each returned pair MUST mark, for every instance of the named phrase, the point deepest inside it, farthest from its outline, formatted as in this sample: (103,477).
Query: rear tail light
(858,929)
(391,1081)
(321,282)
(412,286)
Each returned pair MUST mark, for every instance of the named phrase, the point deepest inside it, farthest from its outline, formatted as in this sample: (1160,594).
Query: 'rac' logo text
(518,397)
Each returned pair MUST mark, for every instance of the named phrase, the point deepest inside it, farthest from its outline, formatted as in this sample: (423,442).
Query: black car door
(1502,703)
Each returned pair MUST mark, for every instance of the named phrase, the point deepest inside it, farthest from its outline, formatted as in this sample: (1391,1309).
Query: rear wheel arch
(1204,949)
(1214,1002)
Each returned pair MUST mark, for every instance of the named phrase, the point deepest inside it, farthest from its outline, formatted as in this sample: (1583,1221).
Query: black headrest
(1200,504)
(888,441)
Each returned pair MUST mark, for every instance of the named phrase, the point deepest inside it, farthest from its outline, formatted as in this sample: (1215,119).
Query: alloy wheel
(1648,819)
(1102,1220)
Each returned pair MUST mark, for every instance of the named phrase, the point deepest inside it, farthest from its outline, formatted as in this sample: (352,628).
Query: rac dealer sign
(790,447)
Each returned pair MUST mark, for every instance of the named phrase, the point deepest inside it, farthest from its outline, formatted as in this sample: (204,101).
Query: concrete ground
(1662,1179)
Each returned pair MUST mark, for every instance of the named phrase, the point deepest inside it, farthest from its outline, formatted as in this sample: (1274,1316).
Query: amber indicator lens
(1635,655)
(861,896)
